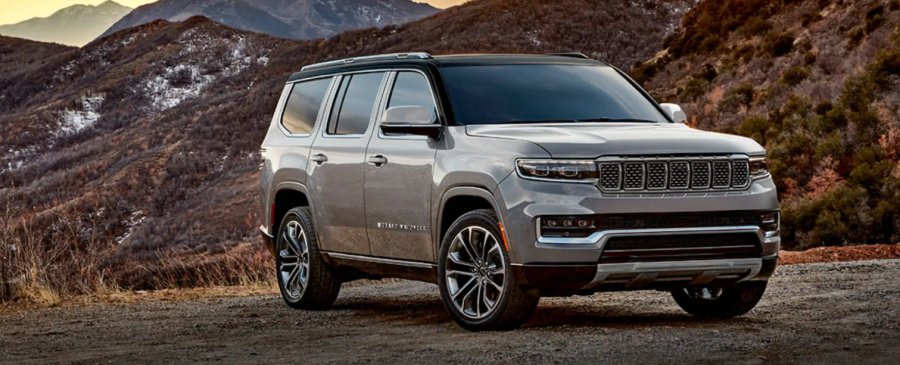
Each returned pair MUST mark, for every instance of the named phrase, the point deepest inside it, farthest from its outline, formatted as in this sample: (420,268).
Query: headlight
(566,170)
(758,166)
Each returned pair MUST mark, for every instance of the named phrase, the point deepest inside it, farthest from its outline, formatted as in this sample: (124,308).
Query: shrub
(809,58)
(736,98)
(810,18)
(875,18)
(694,89)
(755,127)
(778,44)
(710,44)
(794,76)
(854,37)
(744,52)
(756,26)
(707,72)
(643,72)
(886,64)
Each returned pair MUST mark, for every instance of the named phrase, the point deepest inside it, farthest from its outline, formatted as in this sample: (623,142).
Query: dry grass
(65,259)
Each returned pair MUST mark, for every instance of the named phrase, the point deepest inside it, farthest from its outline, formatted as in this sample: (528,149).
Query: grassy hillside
(140,149)
(816,82)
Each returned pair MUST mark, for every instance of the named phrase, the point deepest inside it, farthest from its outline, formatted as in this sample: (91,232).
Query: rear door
(399,179)
(337,162)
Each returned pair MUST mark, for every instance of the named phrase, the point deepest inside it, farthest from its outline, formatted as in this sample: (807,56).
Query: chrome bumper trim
(701,271)
(598,239)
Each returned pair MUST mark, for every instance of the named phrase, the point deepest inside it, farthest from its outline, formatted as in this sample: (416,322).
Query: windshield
(499,94)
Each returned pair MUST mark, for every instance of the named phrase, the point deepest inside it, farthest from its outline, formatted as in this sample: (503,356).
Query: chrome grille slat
(700,174)
(680,174)
(684,174)
(740,174)
(635,175)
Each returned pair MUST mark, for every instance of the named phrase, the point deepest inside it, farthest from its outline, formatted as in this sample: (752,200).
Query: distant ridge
(298,19)
(75,26)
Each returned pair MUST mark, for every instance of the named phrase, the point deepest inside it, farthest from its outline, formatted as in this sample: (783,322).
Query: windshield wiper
(597,120)
(614,120)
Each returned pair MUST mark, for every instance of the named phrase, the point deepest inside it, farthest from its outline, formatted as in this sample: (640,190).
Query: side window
(303,106)
(412,89)
(355,102)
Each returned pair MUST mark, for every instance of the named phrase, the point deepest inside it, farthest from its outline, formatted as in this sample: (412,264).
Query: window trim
(372,116)
(387,97)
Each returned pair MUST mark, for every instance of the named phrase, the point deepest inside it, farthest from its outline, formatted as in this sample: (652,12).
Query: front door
(337,163)
(399,179)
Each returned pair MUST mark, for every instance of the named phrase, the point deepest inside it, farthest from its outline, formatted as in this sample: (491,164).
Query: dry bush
(43,261)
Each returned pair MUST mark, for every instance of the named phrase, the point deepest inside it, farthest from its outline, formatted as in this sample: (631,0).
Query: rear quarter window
(303,105)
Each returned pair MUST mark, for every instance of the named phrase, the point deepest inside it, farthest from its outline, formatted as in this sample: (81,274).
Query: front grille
(681,247)
(637,174)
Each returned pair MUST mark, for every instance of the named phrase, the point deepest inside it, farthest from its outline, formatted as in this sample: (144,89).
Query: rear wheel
(726,302)
(475,281)
(304,279)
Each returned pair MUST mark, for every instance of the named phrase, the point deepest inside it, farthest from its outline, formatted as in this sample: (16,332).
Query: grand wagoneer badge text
(402,227)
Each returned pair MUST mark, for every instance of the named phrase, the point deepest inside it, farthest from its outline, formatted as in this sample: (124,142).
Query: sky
(14,11)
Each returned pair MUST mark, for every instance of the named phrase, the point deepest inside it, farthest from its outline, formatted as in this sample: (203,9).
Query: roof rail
(570,54)
(392,56)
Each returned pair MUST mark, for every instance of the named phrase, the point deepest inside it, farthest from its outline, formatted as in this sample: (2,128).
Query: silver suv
(504,178)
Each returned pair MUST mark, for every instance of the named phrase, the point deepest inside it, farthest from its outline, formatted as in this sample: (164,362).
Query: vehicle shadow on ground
(612,316)
(430,311)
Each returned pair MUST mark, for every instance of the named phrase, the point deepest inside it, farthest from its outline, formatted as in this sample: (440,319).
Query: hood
(595,140)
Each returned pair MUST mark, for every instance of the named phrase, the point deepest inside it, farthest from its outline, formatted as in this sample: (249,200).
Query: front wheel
(474,276)
(726,302)
(304,278)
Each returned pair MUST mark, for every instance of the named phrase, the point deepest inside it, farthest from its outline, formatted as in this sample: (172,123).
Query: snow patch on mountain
(74,121)
(204,65)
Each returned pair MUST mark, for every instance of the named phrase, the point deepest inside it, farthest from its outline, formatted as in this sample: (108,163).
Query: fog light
(769,221)
(567,227)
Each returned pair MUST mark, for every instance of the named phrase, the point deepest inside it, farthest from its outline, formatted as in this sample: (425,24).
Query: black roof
(442,61)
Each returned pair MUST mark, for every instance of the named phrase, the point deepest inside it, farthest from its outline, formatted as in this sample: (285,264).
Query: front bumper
(574,279)
(526,201)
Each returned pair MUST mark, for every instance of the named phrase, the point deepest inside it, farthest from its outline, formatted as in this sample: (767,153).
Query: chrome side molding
(380,260)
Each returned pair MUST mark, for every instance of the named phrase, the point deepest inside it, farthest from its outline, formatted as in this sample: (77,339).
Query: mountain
(144,144)
(298,19)
(75,26)
(818,83)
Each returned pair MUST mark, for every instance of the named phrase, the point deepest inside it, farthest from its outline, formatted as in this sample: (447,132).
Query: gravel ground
(817,313)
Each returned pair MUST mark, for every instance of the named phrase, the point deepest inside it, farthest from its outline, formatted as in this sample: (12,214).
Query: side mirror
(674,111)
(415,120)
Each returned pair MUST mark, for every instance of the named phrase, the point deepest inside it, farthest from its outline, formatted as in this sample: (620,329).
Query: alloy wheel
(293,266)
(703,293)
(475,272)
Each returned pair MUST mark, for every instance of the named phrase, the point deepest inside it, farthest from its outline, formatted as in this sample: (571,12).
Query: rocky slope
(146,140)
(818,83)
(75,26)
(299,19)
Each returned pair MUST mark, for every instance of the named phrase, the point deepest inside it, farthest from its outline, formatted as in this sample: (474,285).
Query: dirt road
(820,313)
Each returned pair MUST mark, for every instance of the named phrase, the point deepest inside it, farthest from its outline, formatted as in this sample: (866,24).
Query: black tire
(322,284)
(513,307)
(733,301)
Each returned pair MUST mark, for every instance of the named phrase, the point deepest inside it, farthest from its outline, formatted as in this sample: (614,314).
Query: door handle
(377,160)
(319,158)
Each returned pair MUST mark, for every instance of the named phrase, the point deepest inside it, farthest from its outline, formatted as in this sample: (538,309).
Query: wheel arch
(460,200)
(288,195)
